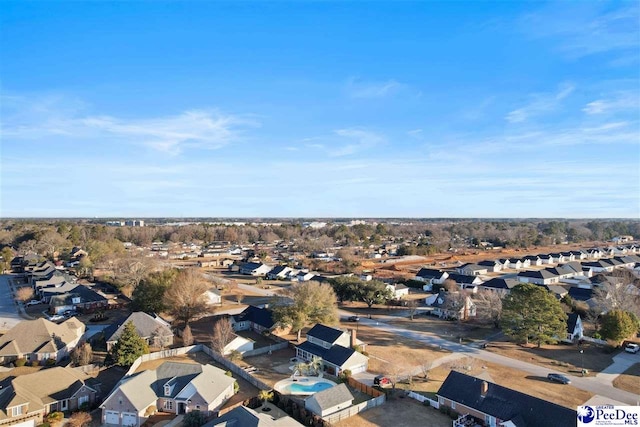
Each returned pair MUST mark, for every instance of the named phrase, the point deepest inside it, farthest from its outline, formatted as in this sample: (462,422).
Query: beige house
(29,398)
(176,388)
(40,340)
(155,331)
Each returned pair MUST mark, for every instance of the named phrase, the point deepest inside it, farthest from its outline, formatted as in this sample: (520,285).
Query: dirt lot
(271,368)
(246,390)
(387,350)
(561,394)
(398,413)
(565,358)
(629,380)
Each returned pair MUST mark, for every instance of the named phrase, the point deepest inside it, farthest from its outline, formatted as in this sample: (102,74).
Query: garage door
(112,417)
(30,423)
(358,369)
(129,419)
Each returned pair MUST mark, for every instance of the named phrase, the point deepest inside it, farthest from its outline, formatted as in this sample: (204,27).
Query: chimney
(353,339)
(484,388)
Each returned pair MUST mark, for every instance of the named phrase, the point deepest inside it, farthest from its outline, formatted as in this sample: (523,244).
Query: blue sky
(331,109)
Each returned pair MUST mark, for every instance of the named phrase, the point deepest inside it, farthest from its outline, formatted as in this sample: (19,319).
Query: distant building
(134,223)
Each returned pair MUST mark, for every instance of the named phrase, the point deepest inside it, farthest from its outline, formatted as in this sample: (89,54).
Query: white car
(632,348)
(33,302)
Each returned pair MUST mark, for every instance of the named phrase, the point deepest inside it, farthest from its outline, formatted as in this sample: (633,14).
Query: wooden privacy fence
(364,388)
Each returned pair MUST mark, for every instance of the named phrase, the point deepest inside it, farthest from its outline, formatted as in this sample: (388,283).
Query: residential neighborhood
(209,343)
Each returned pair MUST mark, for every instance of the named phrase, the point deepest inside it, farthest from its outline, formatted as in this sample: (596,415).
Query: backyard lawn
(398,413)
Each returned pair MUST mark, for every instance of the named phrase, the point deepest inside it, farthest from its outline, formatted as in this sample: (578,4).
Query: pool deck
(282,386)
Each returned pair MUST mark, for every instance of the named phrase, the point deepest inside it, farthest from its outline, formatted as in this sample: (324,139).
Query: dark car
(354,319)
(381,380)
(558,378)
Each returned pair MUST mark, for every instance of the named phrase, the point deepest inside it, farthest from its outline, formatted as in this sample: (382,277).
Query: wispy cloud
(591,28)
(540,104)
(626,101)
(204,129)
(360,139)
(361,89)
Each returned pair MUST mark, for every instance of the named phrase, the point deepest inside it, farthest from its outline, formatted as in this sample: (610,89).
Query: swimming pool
(303,385)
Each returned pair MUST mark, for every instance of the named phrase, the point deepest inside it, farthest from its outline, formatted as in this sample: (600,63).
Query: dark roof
(325,333)
(462,278)
(487,263)
(278,269)
(429,273)
(504,403)
(515,260)
(250,265)
(532,257)
(85,294)
(500,283)
(537,274)
(580,294)
(257,315)
(319,279)
(572,319)
(336,355)
(145,324)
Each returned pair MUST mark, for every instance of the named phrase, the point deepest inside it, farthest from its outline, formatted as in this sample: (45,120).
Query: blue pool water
(308,388)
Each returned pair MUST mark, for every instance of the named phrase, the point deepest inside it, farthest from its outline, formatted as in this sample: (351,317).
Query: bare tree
(187,337)
(24,294)
(79,419)
(412,305)
(450,285)
(186,297)
(239,298)
(82,354)
(489,306)
(222,335)
(622,296)
(425,369)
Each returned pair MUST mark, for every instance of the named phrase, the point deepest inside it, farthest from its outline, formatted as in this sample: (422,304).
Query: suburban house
(176,388)
(303,276)
(491,266)
(546,259)
(336,348)
(472,269)
(79,298)
(538,277)
(452,305)
(253,318)
(464,280)
(482,402)
(254,268)
(534,260)
(280,272)
(213,296)
(500,285)
(155,331)
(431,276)
(242,416)
(40,340)
(515,263)
(329,401)
(26,399)
(398,290)
(575,331)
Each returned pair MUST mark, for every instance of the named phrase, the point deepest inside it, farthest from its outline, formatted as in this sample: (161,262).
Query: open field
(565,395)
(564,358)
(629,380)
(473,330)
(398,413)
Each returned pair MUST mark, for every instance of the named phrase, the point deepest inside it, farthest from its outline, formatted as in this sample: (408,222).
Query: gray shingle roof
(333,396)
(145,325)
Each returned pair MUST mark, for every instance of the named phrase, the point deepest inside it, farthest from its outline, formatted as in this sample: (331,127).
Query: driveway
(9,316)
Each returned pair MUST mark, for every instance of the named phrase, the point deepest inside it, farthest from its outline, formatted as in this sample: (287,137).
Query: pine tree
(129,347)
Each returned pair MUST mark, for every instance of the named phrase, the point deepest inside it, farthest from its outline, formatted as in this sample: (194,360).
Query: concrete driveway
(9,315)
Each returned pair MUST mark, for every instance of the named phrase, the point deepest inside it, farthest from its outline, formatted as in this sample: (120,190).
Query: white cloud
(616,103)
(367,90)
(361,139)
(205,129)
(541,103)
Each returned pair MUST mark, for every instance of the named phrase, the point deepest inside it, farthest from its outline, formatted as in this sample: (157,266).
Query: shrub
(150,410)
(79,419)
(454,415)
(193,419)
(236,387)
(55,418)
(50,362)
(20,362)
(86,406)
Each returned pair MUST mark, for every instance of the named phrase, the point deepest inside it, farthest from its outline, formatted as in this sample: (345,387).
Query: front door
(181,408)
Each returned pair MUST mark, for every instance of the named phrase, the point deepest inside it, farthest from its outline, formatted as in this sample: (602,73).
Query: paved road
(9,316)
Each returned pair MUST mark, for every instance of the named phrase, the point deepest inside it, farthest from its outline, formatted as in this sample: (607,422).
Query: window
(168,404)
(64,404)
(453,405)
(489,420)
(82,399)
(197,407)
(167,390)
(16,410)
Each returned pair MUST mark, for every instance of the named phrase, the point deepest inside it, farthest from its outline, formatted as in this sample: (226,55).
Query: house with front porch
(485,403)
(27,399)
(336,348)
(176,388)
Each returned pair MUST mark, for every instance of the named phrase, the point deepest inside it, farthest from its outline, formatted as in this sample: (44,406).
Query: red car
(381,380)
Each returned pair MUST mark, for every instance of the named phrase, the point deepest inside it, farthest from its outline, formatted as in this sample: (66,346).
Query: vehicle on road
(33,302)
(558,378)
(354,319)
(381,381)
(632,348)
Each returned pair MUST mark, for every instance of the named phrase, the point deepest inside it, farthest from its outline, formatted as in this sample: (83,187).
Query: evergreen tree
(129,347)
(618,325)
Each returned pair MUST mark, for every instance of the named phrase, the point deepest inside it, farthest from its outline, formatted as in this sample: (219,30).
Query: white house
(398,290)
(213,296)
(575,330)
(329,401)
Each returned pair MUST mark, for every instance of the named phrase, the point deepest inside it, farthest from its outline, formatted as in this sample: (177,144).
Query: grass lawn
(447,329)
(629,380)
(398,413)
(564,358)
(561,394)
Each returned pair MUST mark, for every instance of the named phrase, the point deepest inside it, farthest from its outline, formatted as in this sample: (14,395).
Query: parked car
(56,317)
(33,302)
(381,381)
(354,319)
(558,378)
(69,313)
(632,348)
